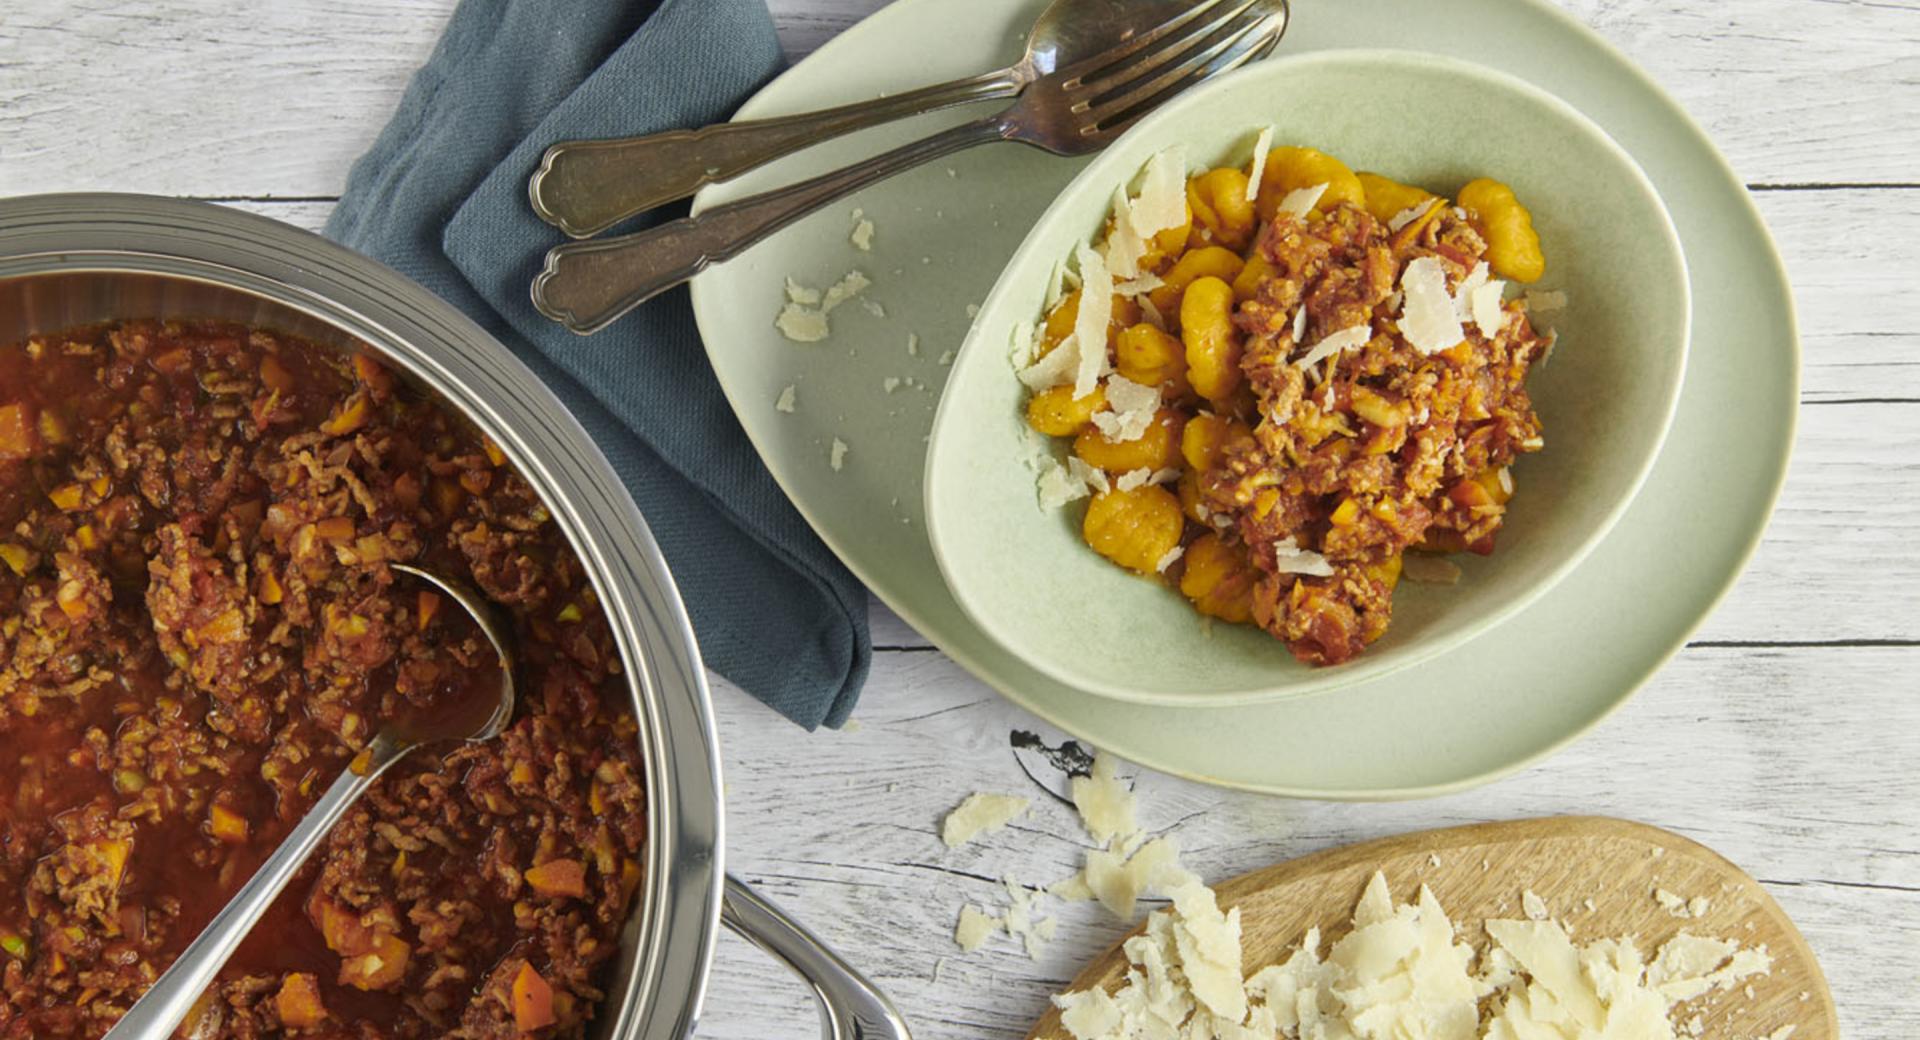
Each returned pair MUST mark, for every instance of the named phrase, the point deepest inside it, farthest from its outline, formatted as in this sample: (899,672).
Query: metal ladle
(585,187)
(156,1014)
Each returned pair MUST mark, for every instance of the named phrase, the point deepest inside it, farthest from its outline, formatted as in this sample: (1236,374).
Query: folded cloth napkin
(442,198)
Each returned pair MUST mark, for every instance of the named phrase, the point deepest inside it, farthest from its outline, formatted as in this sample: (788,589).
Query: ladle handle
(586,285)
(169,1000)
(586,187)
(851,1007)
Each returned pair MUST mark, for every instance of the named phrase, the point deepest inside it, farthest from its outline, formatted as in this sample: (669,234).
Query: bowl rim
(673,926)
(1100,175)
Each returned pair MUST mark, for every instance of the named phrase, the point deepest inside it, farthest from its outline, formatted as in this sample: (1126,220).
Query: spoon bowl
(174,995)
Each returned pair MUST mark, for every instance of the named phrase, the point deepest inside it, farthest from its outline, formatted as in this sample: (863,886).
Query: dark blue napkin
(442,198)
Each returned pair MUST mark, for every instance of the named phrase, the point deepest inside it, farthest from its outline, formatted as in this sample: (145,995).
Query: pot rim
(669,941)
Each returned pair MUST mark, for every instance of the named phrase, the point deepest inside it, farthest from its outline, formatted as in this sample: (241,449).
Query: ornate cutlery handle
(585,187)
(586,285)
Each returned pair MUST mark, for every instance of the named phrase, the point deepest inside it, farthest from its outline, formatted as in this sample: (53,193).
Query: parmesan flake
(1427,318)
(1346,339)
(980,813)
(785,402)
(1300,201)
(1261,146)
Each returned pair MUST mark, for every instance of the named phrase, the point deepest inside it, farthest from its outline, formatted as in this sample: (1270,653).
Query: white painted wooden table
(1787,736)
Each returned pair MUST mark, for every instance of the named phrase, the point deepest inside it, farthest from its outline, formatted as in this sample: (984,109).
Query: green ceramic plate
(943,234)
(1024,575)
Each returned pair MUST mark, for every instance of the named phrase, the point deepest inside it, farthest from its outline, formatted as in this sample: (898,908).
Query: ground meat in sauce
(1376,450)
(199,627)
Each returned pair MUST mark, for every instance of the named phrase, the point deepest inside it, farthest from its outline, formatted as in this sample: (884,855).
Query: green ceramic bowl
(1607,397)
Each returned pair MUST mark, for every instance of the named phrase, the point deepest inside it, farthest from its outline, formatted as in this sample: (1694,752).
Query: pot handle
(851,1008)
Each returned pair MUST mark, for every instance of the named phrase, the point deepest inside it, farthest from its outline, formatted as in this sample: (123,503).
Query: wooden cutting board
(1479,872)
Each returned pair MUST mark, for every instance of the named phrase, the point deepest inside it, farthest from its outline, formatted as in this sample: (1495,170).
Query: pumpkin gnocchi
(1295,392)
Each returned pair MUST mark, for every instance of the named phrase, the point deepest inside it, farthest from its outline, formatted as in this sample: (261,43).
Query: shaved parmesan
(1261,147)
(1054,280)
(1335,343)
(1300,201)
(1427,318)
(1289,558)
(979,814)
(1095,479)
(1056,369)
(1059,485)
(1463,293)
(1130,410)
(801,324)
(798,293)
(852,284)
(1138,284)
(862,235)
(1411,214)
(1172,556)
(1162,203)
(785,402)
(837,457)
(1124,247)
(1488,314)
(1104,802)
(1133,478)
(1090,324)
(1150,311)
(975,928)
(1533,906)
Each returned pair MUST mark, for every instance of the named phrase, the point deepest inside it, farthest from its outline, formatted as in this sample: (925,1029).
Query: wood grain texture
(1786,736)
(1597,876)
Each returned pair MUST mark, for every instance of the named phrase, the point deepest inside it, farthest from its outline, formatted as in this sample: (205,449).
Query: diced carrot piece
(370,371)
(72,599)
(559,877)
(629,877)
(380,968)
(348,417)
(494,454)
(271,591)
(17,436)
(15,557)
(113,852)
(67,497)
(275,375)
(299,1001)
(532,1000)
(339,926)
(227,825)
(447,496)
(428,606)
(476,480)
(86,537)
(334,528)
(229,627)
(173,362)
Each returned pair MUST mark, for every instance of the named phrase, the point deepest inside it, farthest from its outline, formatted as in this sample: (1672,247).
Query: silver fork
(1077,109)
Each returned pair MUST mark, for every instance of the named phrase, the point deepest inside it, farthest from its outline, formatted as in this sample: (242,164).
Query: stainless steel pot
(76,259)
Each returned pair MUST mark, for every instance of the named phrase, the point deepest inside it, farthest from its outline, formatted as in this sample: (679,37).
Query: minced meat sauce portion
(1375,450)
(199,628)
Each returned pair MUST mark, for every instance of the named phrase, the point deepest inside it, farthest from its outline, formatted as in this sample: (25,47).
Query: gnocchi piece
(1513,247)
(1213,347)
(1057,413)
(1156,449)
(1247,283)
(1060,320)
(1207,437)
(1135,529)
(1151,357)
(1192,502)
(1387,199)
(1218,201)
(1291,168)
(1219,579)
(1207,261)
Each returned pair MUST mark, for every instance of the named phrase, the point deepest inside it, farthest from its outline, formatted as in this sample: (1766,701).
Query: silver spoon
(586,187)
(173,995)
(1073,110)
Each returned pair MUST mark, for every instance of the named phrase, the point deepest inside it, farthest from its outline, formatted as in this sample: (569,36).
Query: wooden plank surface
(1785,737)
